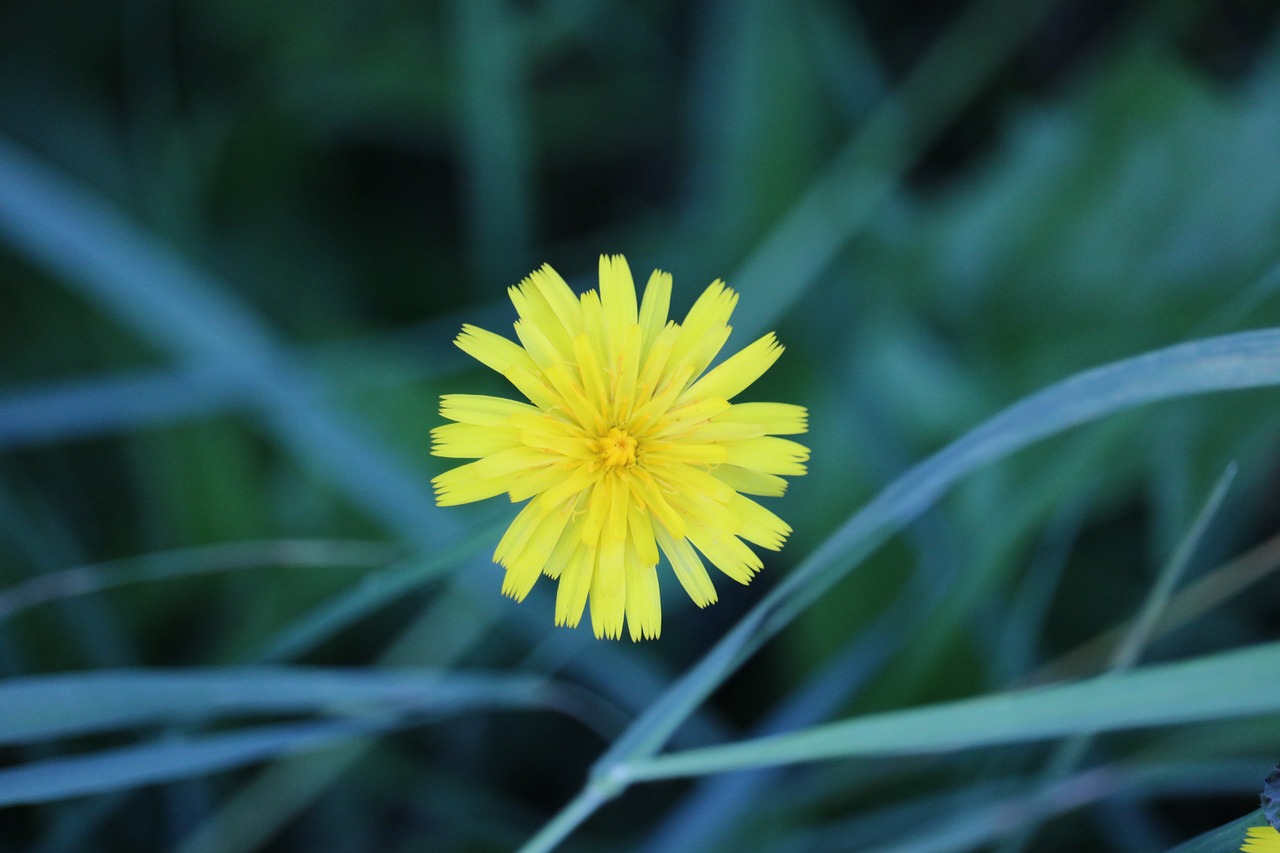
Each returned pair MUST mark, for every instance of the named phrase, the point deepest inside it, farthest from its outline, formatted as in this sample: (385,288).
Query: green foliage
(1025,261)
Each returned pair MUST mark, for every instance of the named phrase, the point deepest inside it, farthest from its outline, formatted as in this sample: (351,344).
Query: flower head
(1261,839)
(628,445)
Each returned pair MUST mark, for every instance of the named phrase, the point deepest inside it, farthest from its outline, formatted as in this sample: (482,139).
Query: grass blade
(1068,754)
(152,763)
(1233,684)
(50,706)
(185,562)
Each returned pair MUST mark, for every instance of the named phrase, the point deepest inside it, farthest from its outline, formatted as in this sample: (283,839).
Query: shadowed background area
(237,240)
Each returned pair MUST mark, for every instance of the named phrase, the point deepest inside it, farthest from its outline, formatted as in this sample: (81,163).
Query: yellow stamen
(616,449)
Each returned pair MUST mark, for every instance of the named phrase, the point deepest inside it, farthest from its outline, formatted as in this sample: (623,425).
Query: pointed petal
(644,602)
(775,418)
(653,309)
(617,297)
(688,568)
(732,376)
(575,583)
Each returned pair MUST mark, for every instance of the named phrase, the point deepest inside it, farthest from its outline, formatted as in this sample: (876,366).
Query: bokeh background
(940,207)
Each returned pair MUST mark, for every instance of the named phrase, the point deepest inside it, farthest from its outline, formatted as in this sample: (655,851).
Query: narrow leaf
(50,706)
(165,761)
(1233,684)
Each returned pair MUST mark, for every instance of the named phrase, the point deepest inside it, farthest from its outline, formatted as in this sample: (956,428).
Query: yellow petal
(649,494)
(468,441)
(493,351)
(565,547)
(509,359)
(732,376)
(640,527)
(769,455)
(482,410)
(464,484)
(560,297)
(644,602)
(727,553)
(653,309)
(617,297)
(575,583)
(609,590)
(688,567)
(1261,839)
(526,557)
(775,418)
(757,524)
(750,482)
(534,306)
(705,328)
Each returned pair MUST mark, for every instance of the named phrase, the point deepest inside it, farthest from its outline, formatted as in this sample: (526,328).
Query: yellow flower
(626,446)
(1261,839)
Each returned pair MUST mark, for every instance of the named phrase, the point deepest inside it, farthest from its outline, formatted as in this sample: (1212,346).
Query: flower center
(617,449)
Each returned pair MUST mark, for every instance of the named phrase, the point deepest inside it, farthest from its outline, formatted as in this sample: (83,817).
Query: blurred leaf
(98,251)
(91,406)
(839,204)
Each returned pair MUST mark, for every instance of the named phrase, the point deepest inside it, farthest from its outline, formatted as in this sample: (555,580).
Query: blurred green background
(939,207)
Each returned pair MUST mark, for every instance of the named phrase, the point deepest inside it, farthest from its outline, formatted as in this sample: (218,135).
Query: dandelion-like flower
(1261,839)
(628,445)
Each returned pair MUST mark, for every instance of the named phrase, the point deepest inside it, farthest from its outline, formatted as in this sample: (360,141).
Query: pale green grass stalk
(44,707)
(985,822)
(1203,596)
(252,814)
(1239,683)
(1068,755)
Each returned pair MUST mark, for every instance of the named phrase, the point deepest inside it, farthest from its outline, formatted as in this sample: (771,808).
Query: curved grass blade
(1208,593)
(185,562)
(979,824)
(152,763)
(1071,752)
(1234,684)
(50,706)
